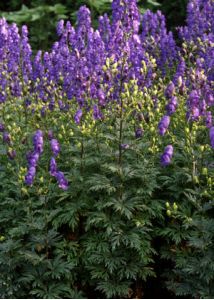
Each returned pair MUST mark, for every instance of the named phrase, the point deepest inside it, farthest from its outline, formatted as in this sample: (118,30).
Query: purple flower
(101,97)
(55,148)
(172,105)
(97,113)
(60,27)
(212,137)
(38,141)
(29,178)
(138,133)
(163,125)
(53,167)
(6,137)
(50,134)
(170,90)
(167,156)
(62,182)
(209,120)
(32,158)
(78,116)
(1,127)
(195,113)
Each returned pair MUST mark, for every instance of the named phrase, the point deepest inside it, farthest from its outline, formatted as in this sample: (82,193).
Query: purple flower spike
(212,137)
(32,158)
(6,138)
(38,141)
(163,125)
(50,134)
(55,148)
(209,119)
(62,182)
(138,133)
(78,116)
(29,178)
(60,27)
(172,105)
(53,167)
(1,127)
(97,113)
(167,156)
(169,92)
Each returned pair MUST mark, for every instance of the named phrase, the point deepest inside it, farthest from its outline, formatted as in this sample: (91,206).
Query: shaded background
(41,16)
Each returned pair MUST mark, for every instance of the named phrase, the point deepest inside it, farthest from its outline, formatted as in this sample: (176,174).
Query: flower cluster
(167,155)
(33,157)
(62,181)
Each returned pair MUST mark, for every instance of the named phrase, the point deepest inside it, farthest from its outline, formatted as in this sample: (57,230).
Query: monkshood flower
(6,137)
(138,133)
(209,120)
(97,113)
(60,27)
(32,158)
(172,105)
(170,90)
(1,127)
(163,125)
(62,181)
(29,178)
(53,167)
(55,147)
(78,116)
(193,99)
(212,137)
(193,114)
(50,134)
(167,156)
(38,141)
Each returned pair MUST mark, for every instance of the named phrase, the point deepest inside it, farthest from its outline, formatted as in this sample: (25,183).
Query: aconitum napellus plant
(106,146)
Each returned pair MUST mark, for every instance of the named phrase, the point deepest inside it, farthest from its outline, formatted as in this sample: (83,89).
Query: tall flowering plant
(106,147)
